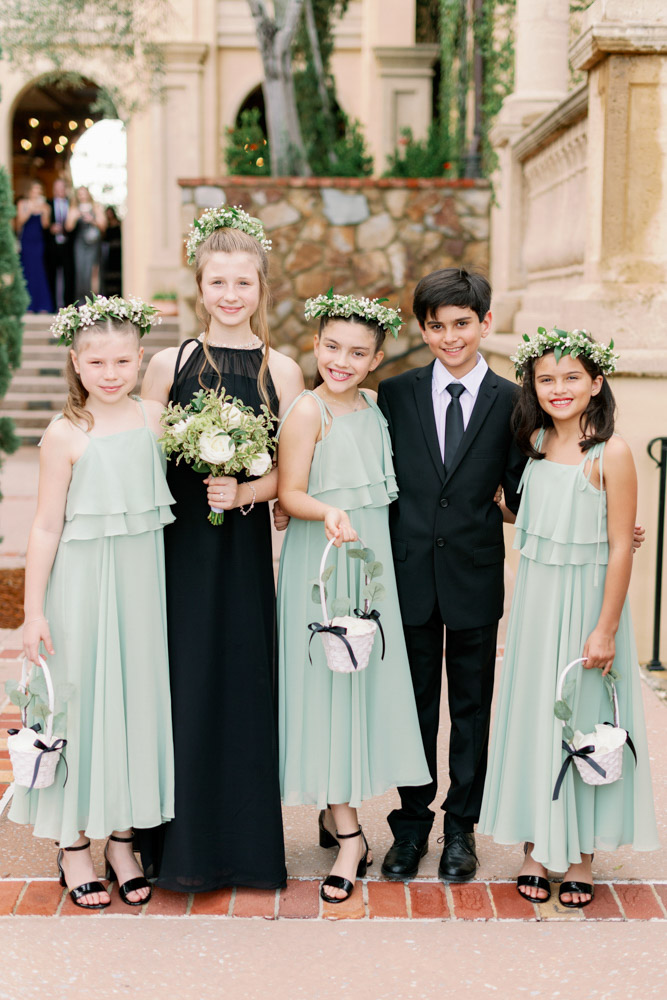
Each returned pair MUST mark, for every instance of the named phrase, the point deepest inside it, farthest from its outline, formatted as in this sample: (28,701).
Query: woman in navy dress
(33,217)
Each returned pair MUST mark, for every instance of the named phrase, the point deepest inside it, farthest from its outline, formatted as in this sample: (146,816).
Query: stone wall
(374,237)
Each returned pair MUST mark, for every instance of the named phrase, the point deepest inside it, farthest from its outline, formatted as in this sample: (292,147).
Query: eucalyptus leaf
(373,569)
(38,687)
(64,692)
(40,710)
(374,592)
(59,723)
(340,606)
(558,354)
(10,686)
(562,710)
(369,555)
(355,553)
(19,698)
(568,735)
(327,573)
(315,594)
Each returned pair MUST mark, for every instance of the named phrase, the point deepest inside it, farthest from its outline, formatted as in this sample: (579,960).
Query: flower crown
(99,308)
(348,305)
(561,342)
(223,217)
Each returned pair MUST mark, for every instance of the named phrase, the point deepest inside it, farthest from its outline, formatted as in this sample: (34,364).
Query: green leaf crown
(223,217)
(561,343)
(348,305)
(99,308)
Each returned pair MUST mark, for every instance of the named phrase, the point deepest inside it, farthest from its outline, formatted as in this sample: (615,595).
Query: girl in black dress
(220,590)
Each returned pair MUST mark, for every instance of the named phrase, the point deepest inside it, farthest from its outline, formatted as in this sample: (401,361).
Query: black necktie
(453,423)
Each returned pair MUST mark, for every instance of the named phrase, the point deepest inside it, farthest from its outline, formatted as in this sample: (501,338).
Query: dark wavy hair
(596,422)
(378,332)
(451,286)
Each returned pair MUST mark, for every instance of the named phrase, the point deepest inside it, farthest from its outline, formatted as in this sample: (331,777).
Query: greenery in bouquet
(219,435)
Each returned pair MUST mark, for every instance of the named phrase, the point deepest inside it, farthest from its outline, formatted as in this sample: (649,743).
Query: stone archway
(51,118)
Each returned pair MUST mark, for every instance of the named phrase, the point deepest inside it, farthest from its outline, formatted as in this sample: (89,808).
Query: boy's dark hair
(596,422)
(451,286)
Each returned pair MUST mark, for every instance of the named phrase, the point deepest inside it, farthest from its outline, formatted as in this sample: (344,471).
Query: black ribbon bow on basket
(338,630)
(584,754)
(58,744)
(372,616)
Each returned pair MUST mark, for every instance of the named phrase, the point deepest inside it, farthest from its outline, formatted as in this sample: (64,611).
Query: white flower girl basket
(597,756)
(35,759)
(347,640)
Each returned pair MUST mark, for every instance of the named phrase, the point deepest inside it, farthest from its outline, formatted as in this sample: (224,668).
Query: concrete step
(33,400)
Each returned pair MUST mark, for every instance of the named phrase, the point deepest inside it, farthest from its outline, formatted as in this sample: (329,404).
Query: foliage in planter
(247,151)
(13,304)
(428,157)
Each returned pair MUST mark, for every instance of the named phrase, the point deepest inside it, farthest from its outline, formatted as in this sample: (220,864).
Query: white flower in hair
(345,306)
(561,342)
(98,309)
(223,217)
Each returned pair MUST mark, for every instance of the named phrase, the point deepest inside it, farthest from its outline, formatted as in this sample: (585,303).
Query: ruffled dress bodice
(572,530)
(118,487)
(366,477)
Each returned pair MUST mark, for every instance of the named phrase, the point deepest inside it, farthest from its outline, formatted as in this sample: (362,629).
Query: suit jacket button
(440,542)
(444,502)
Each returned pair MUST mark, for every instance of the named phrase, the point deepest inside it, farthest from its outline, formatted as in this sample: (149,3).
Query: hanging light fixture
(46,139)
(73,126)
(33,122)
(88,122)
(58,148)
(26,144)
(63,140)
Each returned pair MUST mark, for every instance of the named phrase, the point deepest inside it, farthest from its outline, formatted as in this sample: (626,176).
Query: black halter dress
(221,629)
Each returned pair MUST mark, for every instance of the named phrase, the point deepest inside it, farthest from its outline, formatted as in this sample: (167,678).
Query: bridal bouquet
(219,435)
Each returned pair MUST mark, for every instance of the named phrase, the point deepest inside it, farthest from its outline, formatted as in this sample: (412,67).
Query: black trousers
(470,660)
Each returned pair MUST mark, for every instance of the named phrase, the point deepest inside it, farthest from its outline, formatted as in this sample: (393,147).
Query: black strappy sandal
(337,881)
(327,839)
(132,884)
(533,881)
(87,888)
(581,887)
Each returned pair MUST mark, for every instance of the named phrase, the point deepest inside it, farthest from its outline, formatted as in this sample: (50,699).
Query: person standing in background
(59,258)
(33,216)
(87,223)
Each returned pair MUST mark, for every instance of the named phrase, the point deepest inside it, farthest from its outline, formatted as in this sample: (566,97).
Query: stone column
(541,82)
(165,142)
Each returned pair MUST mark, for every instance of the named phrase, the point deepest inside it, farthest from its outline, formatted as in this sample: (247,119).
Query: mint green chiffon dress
(561,532)
(105,603)
(344,737)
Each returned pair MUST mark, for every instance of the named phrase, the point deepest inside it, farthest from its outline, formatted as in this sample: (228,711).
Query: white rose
(216,448)
(232,415)
(260,465)
(178,430)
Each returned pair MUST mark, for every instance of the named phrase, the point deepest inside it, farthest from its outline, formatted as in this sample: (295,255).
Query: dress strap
(177,366)
(139,400)
(525,475)
(58,416)
(324,411)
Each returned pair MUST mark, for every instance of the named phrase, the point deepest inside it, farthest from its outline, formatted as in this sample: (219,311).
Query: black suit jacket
(446,530)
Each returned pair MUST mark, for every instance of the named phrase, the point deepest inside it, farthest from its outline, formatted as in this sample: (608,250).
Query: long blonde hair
(227,240)
(77,395)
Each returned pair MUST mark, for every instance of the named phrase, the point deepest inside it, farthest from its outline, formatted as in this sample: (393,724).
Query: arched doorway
(68,130)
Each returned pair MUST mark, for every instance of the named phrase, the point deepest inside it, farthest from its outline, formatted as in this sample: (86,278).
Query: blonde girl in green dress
(343,737)
(575,534)
(94,601)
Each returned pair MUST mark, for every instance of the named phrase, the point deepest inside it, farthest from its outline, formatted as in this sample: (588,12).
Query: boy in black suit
(450,427)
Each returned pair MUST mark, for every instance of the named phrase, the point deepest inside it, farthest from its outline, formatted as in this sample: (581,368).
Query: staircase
(38,391)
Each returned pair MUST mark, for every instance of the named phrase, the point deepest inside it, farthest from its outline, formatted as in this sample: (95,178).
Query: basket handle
(25,670)
(323,599)
(561,681)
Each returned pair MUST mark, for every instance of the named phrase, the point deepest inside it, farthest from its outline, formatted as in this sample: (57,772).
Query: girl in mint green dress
(343,737)
(574,530)
(95,599)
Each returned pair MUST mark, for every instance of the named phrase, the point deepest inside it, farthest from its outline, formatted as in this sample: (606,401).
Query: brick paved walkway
(379,900)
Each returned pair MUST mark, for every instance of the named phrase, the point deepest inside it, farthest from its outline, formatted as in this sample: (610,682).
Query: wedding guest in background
(33,217)
(59,258)
(111,265)
(87,222)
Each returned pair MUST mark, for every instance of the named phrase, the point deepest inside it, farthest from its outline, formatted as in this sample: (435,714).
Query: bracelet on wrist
(254,497)
(40,619)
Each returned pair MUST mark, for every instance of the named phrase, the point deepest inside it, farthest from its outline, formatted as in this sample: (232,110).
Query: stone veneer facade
(374,237)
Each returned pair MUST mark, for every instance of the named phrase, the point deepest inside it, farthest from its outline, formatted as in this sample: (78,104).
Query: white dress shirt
(441,398)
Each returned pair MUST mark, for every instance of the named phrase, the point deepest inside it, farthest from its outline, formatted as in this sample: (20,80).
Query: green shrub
(429,157)
(13,304)
(247,151)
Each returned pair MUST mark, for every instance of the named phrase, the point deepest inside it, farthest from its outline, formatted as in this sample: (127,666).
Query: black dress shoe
(402,859)
(459,860)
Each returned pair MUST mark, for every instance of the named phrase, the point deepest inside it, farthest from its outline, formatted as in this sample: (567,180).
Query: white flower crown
(223,217)
(561,342)
(99,308)
(348,305)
